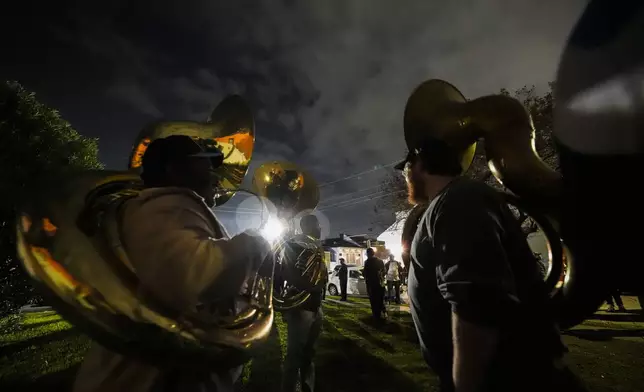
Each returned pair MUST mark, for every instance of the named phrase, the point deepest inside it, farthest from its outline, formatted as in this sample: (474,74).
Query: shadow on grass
(368,336)
(60,382)
(27,327)
(618,316)
(394,327)
(399,325)
(38,341)
(348,367)
(265,369)
(604,334)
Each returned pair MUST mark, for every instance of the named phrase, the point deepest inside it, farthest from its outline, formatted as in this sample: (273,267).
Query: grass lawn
(41,351)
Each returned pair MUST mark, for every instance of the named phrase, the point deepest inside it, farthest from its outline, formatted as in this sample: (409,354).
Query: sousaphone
(586,212)
(68,242)
(599,130)
(437,109)
(291,191)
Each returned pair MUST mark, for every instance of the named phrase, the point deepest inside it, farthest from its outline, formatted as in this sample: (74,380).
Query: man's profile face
(195,174)
(415,183)
(313,230)
(317,231)
(311,226)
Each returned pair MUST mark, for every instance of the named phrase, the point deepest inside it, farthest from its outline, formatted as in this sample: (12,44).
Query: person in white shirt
(393,270)
(183,257)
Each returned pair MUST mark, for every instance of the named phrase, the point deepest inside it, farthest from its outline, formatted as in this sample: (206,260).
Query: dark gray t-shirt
(469,256)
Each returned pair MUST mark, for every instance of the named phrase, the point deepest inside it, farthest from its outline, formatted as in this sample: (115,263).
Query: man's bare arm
(474,348)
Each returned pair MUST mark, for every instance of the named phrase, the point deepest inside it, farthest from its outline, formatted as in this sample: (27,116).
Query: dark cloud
(328,79)
(132,93)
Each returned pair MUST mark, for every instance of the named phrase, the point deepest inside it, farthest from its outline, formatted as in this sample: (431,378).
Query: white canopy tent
(392,236)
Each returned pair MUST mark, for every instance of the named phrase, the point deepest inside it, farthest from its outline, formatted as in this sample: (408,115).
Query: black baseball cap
(435,153)
(175,148)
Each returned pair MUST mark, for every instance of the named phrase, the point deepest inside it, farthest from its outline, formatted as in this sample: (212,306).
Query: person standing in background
(394,272)
(374,273)
(343,275)
(617,296)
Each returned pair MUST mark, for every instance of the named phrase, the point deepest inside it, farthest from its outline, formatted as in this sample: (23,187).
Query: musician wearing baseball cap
(182,256)
(476,296)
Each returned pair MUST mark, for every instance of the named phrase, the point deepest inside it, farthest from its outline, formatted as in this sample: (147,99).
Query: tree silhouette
(35,143)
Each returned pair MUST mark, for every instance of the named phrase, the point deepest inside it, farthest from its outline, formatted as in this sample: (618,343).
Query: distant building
(343,247)
(370,241)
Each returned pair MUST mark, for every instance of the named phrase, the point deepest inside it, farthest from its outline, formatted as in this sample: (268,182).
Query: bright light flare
(396,249)
(272,230)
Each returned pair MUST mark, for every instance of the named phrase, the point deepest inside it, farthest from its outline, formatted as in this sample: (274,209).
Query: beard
(203,185)
(416,190)
(209,197)
(210,201)
(206,191)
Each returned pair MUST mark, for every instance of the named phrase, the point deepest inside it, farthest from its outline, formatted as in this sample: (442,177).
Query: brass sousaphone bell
(291,191)
(68,242)
(598,132)
(437,109)
(229,129)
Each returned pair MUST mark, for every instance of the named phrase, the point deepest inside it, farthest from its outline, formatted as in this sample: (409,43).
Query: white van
(355,283)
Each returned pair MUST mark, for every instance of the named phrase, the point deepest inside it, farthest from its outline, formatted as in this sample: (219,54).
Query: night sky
(327,79)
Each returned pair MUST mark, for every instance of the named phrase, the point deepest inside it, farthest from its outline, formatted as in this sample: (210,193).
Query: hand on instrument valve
(257,262)
(262,260)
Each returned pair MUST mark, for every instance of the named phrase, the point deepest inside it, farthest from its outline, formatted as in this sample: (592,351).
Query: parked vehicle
(355,284)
